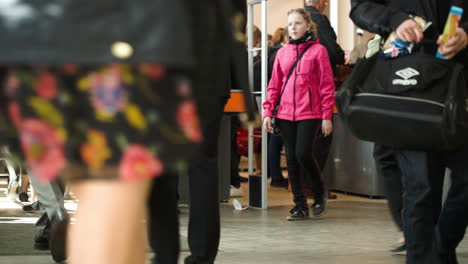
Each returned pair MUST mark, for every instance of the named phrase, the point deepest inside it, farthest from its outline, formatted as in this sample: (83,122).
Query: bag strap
(289,76)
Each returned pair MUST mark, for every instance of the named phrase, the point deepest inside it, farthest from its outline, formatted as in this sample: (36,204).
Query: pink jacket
(309,93)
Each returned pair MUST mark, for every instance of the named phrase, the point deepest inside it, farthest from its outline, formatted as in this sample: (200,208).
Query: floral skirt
(118,121)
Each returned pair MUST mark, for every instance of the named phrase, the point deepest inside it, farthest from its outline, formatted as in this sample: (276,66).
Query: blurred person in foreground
(432,232)
(100,93)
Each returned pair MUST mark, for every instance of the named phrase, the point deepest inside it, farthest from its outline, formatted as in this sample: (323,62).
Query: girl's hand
(455,44)
(267,124)
(327,127)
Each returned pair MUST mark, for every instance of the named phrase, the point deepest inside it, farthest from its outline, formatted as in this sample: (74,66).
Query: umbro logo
(406,74)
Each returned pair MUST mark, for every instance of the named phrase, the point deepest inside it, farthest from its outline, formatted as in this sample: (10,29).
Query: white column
(334,15)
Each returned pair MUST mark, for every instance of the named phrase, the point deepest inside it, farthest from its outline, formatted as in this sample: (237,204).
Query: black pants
(388,169)
(204,222)
(322,148)
(275,144)
(423,174)
(299,140)
(163,224)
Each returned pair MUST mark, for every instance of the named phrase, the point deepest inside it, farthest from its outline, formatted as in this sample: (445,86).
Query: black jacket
(384,16)
(84,31)
(327,37)
(258,67)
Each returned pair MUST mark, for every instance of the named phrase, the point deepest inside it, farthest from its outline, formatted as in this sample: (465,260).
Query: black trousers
(427,232)
(163,219)
(388,169)
(204,219)
(322,148)
(299,139)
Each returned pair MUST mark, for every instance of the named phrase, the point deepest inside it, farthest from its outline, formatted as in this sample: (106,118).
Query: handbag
(276,130)
(415,102)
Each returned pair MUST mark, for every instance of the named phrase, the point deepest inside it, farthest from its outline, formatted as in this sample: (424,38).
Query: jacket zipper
(310,100)
(295,79)
(402,98)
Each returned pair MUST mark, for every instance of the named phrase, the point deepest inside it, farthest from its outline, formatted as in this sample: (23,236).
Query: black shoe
(58,235)
(298,213)
(400,247)
(243,179)
(196,260)
(452,257)
(320,205)
(332,196)
(447,256)
(283,183)
(23,197)
(32,207)
(41,243)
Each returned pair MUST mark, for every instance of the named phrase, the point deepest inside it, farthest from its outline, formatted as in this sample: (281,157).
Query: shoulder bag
(276,131)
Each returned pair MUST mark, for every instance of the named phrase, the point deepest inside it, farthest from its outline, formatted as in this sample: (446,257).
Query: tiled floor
(354,230)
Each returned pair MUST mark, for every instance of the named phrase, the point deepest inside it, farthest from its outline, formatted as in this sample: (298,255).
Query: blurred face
(322,5)
(297,26)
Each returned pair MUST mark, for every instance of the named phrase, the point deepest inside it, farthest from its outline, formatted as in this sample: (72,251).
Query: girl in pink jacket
(306,102)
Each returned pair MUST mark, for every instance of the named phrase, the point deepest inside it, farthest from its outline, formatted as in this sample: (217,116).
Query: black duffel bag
(414,102)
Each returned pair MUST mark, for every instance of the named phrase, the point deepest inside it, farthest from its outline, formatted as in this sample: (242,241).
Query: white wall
(277,13)
(346,28)
(339,14)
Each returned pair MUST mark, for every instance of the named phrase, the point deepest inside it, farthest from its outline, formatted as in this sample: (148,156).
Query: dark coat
(327,37)
(384,16)
(272,51)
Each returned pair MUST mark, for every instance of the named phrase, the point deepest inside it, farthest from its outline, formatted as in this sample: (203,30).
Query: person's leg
(103,233)
(289,135)
(23,191)
(275,144)
(322,149)
(388,169)
(13,179)
(453,220)
(53,217)
(163,220)
(422,183)
(306,140)
(204,221)
(258,161)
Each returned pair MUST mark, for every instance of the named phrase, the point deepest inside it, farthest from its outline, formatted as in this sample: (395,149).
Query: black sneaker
(23,197)
(41,243)
(32,207)
(320,205)
(298,213)
(399,247)
(283,183)
(58,235)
